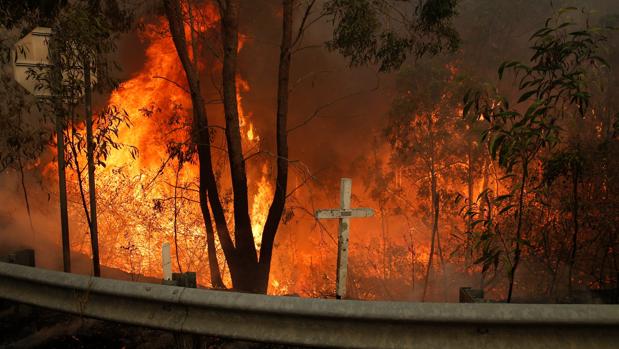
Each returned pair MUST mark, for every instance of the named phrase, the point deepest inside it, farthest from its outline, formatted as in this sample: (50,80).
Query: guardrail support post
(471,295)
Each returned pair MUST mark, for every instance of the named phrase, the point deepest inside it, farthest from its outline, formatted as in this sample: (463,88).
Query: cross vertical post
(167,263)
(344,214)
(342,242)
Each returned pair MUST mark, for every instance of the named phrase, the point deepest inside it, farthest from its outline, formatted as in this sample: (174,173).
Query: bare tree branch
(327,105)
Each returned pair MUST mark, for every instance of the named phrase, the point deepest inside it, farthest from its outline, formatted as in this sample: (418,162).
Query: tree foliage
(386,32)
(552,86)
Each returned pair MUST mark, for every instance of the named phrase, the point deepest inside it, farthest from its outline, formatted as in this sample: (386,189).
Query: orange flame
(159,106)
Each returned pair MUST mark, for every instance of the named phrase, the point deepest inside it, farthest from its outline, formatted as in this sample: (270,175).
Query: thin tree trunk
(216,280)
(435,194)
(175,223)
(434,233)
(486,203)
(435,207)
(279,198)
(56,87)
(92,190)
(62,189)
(469,219)
(517,251)
(433,203)
(78,172)
(484,183)
(575,177)
(383,240)
(412,251)
(437,210)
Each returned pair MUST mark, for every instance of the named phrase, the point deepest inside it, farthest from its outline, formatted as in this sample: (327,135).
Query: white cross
(166,261)
(344,213)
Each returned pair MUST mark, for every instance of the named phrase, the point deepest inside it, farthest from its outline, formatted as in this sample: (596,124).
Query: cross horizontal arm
(339,213)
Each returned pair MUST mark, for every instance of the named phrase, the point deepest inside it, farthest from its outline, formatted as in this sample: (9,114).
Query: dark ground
(24,326)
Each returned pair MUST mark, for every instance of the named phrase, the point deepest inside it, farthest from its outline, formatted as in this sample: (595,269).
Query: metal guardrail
(315,322)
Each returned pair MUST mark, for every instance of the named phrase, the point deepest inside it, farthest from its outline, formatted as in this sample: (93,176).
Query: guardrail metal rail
(315,322)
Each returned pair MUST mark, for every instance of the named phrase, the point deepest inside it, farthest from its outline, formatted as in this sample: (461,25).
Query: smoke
(17,233)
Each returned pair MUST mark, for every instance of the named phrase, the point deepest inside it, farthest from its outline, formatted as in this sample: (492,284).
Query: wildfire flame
(153,199)
(158,106)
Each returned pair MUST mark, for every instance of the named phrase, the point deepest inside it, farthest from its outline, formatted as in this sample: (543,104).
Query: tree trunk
(486,205)
(90,150)
(216,281)
(175,223)
(383,228)
(437,210)
(246,258)
(62,186)
(517,251)
(435,207)
(279,199)
(55,84)
(469,217)
(484,186)
(575,177)
(435,214)
(412,251)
